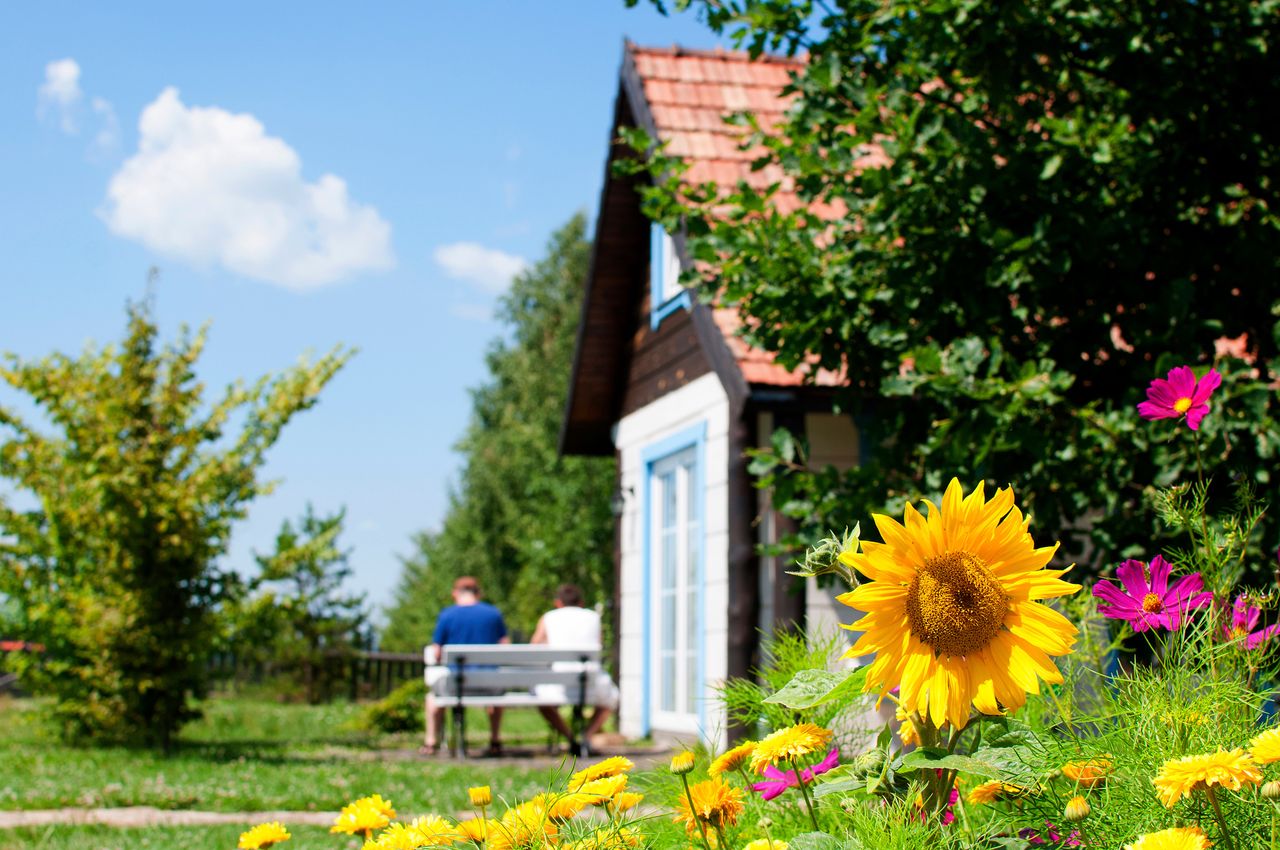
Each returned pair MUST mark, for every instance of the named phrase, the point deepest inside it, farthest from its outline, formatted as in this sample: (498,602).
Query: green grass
(249,756)
(160,838)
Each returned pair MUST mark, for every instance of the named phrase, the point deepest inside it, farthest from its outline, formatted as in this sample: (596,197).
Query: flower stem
(720,836)
(804,791)
(693,812)
(1222,821)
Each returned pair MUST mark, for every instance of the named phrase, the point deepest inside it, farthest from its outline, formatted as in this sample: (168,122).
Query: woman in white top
(568,624)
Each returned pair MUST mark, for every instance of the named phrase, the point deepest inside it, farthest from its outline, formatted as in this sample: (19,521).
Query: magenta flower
(1244,619)
(778,781)
(1147,600)
(1049,834)
(1180,395)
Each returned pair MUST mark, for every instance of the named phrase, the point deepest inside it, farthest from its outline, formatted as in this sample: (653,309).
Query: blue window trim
(695,437)
(660,308)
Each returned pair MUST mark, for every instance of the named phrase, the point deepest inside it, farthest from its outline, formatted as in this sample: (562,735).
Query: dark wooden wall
(660,360)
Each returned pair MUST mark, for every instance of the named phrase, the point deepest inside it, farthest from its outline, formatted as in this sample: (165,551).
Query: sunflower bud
(868,762)
(1077,809)
(480,796)
(682,763)
(764,823)
(1271,791)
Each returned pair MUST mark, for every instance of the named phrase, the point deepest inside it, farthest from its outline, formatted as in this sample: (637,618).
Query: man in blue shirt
(467,620)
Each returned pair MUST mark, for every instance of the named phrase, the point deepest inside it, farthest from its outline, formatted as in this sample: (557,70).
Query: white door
(676,573)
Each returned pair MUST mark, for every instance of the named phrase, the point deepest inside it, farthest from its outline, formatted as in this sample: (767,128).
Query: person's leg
(598,718)
(556,719)
(434,724)
(495,728)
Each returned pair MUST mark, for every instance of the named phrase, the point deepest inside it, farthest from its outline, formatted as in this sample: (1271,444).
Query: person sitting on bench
(570,625)
(467,620)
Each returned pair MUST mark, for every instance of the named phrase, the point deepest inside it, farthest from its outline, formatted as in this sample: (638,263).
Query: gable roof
(681,97)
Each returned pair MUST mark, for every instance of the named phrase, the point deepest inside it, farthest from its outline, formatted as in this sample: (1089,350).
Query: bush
(399,711)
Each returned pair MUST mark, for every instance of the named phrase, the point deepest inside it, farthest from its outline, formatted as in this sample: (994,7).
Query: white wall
(702,400)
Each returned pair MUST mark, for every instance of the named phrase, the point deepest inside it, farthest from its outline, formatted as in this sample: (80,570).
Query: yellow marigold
(994,791)
(563,807)
(733,759)
(1265,748)
(1089,772)
(604,789)
(609,767)
(364,815)
(397,836)
(477,829)
(1178,838)
(787,744)
(1076,810)
(953,608)
(715,803)
(682,762)
(481,796)
(1179,777)
(263,835)
(765,844)
(626,800)
(435,831)
(524,826)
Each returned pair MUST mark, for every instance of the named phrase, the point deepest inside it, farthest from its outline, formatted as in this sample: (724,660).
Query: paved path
(151,816)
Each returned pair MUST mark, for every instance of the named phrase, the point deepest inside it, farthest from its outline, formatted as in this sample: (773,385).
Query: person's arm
(540,631)
(438,639)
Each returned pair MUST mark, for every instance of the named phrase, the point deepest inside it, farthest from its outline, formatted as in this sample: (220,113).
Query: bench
(509,676)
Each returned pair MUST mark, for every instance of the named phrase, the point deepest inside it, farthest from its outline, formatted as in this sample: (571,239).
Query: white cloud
(210,187)
(59,95)
(108,135)
(488,268)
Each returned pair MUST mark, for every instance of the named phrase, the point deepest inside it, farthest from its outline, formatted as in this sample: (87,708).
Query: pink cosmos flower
(1244,619)
(1049,834)
(1180,395)
(778,781)
(1147,600)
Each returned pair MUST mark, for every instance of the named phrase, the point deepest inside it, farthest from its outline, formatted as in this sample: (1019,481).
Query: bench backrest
(515,655)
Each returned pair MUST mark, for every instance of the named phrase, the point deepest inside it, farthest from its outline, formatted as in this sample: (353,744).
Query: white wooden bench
(509,676)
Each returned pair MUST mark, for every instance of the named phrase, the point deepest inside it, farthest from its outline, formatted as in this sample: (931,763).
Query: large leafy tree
(521,518)
(133,485)
(1017,215)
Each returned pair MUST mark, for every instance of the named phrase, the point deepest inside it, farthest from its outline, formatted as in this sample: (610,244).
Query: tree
(135,486)
(302,580)
(1074,196)
(522,519)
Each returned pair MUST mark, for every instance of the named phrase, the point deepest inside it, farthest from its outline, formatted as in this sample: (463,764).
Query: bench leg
(578,744)
(459,732)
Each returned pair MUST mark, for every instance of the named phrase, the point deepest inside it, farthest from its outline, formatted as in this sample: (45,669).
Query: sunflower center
(955,605)
(1152,604)
(1182,405)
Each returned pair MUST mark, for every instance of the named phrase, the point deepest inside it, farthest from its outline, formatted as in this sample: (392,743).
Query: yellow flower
(1077,809)
(907,732)
(435,831)
(1089,772)
(604,789)
(1265,748)
(790,743)
(1178,838)
(609,767)
(732,760)
(263,835)
(606,839)
(715,802)
(953,607)
(563,807)
(994,791)
(764,844)
(395,837)
(682,762)
(480,796)
(626,800)
(1179,777)
(525,826)
(364,815)
(477,829)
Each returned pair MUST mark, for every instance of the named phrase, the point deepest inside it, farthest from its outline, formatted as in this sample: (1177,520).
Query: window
(665,293)
(675,559)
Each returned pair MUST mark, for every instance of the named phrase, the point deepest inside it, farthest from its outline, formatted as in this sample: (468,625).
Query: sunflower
(906,729)
(952,608)
(1179,777)
(609,767)
(1177,838)
(732,760)
(1089,772)
(715,803)
(789,744)
(263,835)
(1266,747)
(364,815)
(994,791)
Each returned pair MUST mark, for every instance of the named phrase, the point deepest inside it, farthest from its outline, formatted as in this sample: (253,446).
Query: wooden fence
(355,675)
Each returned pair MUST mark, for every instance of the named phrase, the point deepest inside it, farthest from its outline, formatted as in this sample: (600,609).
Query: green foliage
(522,519)
(1073,197)
(399,711)
(798,680)
(136,486)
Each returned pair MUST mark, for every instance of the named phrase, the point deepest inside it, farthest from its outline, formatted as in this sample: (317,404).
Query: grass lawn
(248,755)
(160,838)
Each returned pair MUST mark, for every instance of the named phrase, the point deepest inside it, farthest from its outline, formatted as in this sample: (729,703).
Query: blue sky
(307,174)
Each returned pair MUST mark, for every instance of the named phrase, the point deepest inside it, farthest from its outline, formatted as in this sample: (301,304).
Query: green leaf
(820,841)
(933,758)
(1051,167)
(812,688)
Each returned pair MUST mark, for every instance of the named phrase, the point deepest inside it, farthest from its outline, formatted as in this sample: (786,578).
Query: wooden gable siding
(661,360)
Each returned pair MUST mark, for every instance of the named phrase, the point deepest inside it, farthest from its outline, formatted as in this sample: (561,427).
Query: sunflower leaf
(939,759)
(812,688)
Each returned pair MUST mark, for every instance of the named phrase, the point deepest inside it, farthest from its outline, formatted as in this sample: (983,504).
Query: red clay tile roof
(689,93)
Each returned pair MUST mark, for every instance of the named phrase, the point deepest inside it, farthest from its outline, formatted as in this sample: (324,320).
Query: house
(661,382)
